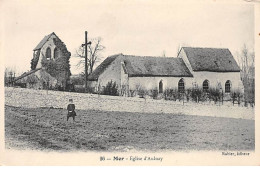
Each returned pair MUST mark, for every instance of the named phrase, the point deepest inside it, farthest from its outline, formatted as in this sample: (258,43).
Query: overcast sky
(145,28)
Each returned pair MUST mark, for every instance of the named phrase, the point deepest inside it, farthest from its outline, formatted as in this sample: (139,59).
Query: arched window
(55,53)
(48,53)
(227,86)
(181,86)
(161,87)
(205,85)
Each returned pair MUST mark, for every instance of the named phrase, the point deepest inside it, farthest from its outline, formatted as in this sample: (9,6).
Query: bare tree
(246,61)
(94,54)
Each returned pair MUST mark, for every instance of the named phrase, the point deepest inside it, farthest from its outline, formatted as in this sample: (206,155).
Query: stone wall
(58,66)
(51,45)
(41,98)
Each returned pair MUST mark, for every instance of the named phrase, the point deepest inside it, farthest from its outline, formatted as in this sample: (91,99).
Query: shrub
(79,88)
(196,94)
(132,93)
(154,93)
(214,94)
(110,89)
(141,93)
(180,95)
(205,95)
(70,87)
(78,80)
(123,91)
(174,94)
(188,94)
(236,96)
(169,94)
(249,91)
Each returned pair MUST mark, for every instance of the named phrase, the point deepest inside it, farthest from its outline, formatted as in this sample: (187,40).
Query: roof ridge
(150,56)
(146,66)
(115,55)
(205,47)
(26,74)
(44,40)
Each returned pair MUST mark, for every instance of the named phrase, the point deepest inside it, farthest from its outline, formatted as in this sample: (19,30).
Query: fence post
(233,98)
(183,98)
(222,95)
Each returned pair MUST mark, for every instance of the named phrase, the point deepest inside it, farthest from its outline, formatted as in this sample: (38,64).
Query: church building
(50,66)
(202,68)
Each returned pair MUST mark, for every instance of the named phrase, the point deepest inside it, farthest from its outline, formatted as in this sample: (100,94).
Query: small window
(161,87)
(205,85)
(48,53)
(227,86)
(181,86)
(55,53)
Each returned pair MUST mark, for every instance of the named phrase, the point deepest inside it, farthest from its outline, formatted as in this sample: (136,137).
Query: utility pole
(86,58)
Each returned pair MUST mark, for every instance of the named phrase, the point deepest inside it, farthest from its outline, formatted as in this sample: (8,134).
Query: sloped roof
(26,74)
(211,59)
(44,75)
(102,67)
(146,66)
(156,66)
(43,41)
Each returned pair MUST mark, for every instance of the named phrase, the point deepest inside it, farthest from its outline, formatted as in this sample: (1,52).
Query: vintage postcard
(123,82)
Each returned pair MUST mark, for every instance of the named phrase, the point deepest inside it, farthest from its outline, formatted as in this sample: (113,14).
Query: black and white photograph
(123,82)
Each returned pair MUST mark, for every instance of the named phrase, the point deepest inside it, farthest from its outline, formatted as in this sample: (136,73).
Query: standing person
(71,110)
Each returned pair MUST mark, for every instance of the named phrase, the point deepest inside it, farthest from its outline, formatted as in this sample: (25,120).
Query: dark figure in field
(71,110)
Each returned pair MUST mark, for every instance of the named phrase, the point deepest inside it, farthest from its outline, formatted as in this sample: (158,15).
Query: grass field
(47,129)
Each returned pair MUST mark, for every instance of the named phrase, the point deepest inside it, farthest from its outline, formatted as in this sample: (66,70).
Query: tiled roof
(211,59)
(26,74)
(156,66)
(146,66)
